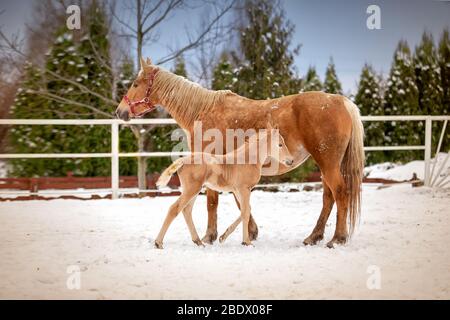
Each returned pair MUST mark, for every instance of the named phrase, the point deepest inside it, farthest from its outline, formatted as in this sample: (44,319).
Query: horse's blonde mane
(185,98)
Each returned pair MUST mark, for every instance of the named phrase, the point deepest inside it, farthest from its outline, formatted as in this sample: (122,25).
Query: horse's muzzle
(123,114)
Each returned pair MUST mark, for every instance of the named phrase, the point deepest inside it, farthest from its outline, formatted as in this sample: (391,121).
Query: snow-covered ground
(404,172)
(402,242)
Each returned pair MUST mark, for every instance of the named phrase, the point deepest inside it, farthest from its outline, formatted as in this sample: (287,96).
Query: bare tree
(148,16)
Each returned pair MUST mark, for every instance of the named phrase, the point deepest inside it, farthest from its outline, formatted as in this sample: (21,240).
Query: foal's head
(277,147)
(274,146)
(140,98)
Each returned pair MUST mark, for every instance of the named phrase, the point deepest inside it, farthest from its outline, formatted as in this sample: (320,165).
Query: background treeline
(83,74)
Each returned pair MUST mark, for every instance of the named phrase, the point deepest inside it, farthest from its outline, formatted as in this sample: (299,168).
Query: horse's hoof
(209,238)
(222,239)
(312,240)
(158,245)
(198,242)
(336,240)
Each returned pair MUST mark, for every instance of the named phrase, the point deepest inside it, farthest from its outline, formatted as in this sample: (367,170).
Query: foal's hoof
(252,231)
(222,238)
(253,234)
(336,240)
(209,238)
(312,240)
(158,245)
(198,242)
(246,243)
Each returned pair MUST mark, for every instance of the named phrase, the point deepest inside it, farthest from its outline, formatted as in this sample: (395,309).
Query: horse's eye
(280,145)
(135,85)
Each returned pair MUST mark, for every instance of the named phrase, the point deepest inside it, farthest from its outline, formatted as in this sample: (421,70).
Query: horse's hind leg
(328,202)
(212,201)
(335,181)
(252,226)
(187,213)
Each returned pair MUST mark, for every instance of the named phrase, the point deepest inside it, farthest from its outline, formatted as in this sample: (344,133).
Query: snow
(403,234)
(391,171)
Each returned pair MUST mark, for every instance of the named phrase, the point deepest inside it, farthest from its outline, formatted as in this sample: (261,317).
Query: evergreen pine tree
(444,62)
(180,67)
(369,100)
(312,81)
(29,139)
(428,76)
(83,62)
(331,83)
(428,80)
(401,98)
(266,68)
(223,76)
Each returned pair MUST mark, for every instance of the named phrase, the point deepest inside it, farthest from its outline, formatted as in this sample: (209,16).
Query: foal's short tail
(352,166)
(167,174)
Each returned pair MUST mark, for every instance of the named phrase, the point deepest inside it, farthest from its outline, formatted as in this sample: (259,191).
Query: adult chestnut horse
(325,126)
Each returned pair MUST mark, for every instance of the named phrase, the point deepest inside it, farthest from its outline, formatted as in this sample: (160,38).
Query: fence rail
(115,154)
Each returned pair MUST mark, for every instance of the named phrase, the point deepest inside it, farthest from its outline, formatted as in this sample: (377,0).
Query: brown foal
(223,173)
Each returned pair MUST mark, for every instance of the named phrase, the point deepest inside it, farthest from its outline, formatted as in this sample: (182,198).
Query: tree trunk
(142,163)
(139,33)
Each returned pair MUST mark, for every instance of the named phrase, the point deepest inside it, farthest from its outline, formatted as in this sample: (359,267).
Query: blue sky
(324,28)
(338,28)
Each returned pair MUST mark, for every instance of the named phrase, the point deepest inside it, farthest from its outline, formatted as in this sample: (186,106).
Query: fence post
(115,160)
(428,132)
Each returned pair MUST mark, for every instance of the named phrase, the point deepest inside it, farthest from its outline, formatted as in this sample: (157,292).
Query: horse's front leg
(243,195)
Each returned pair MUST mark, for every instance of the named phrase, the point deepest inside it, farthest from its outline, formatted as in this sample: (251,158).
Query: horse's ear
(149,62)
(142,63)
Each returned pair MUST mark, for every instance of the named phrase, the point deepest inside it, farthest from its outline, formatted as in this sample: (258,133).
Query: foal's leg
(175,208)
(187,212)
(327,206)
(252,227)
(243,196)
(230,229)
(336,182)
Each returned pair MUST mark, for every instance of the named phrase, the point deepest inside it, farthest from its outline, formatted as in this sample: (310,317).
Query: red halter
(145,100)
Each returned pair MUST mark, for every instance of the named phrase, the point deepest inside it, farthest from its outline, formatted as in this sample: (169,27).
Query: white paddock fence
(430,174)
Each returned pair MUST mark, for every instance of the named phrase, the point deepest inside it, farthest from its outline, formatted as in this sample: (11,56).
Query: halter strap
(145,100)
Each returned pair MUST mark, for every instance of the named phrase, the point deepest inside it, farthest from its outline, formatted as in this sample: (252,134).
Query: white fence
(115,154)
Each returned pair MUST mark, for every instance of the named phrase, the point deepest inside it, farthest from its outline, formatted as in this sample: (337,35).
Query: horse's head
(140,98)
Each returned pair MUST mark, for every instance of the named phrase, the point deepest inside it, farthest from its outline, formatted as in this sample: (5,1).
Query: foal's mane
(186,98)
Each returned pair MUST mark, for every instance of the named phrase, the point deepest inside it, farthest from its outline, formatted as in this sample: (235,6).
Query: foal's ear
(270,124)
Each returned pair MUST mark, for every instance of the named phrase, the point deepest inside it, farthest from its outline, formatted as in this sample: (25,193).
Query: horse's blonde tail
(352,166)
(167,174)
